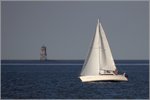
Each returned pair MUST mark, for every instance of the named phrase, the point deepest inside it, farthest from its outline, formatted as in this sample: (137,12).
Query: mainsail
(99,56)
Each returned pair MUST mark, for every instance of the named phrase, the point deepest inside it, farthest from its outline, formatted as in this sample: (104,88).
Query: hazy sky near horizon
(66,28)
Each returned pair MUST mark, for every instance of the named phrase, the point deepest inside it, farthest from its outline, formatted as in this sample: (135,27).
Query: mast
(99,44)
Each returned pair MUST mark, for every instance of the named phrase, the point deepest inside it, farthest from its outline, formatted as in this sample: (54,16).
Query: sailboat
(99,64)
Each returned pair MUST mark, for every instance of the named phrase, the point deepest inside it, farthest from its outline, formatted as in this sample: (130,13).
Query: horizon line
(67,59)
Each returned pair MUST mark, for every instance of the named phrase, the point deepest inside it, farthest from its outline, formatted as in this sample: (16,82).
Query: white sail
(91,64)
(99,56)
(106,58)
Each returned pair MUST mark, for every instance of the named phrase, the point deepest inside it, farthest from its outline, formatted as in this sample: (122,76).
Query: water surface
(59,80)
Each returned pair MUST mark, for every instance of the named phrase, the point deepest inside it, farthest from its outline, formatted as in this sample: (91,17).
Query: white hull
(103,78)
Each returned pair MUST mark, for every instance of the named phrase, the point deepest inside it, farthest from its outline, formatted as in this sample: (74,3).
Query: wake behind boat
(99,65)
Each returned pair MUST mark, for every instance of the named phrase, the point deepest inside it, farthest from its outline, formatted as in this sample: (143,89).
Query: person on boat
(124,74)
(115,72)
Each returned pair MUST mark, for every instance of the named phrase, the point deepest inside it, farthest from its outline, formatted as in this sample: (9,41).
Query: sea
(58,79)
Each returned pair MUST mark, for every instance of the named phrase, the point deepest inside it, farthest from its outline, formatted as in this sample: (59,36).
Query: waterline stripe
(66,64)
(42,64)
(133,64)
